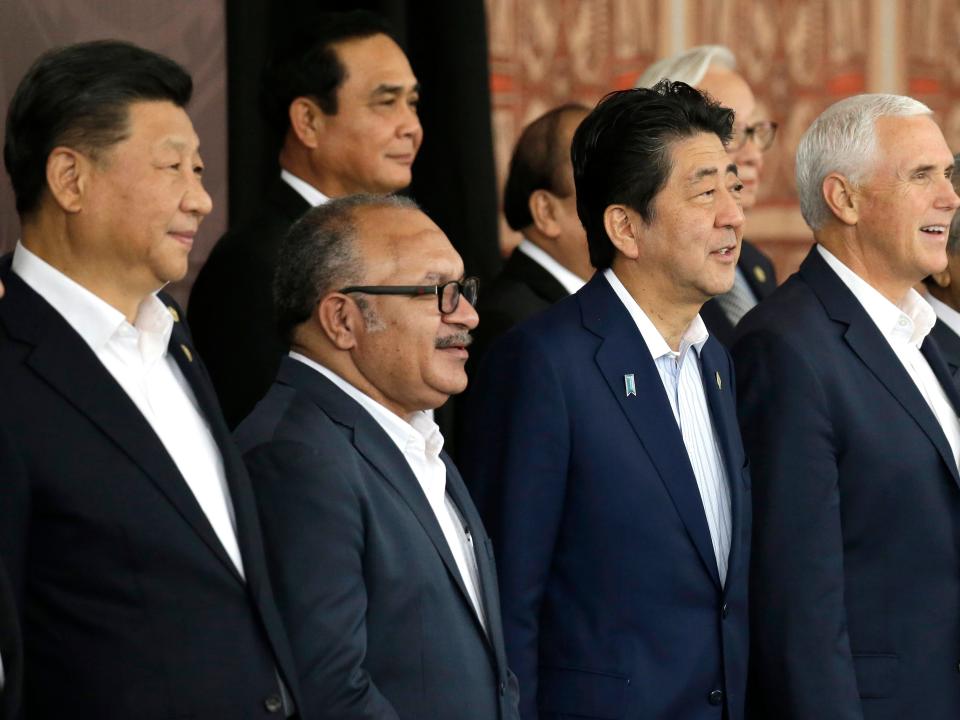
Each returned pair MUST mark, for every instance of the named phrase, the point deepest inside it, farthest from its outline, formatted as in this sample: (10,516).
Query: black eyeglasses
(762,133)
(448,294)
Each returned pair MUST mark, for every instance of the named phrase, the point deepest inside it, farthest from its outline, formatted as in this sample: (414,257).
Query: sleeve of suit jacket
(314,535)
(801,662)
(518,444)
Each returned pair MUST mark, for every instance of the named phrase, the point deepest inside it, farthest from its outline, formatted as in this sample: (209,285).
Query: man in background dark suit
(943,293)
(849,416)
(713,69)
(127,521)
(603,448)
(11,650)
(341,97)
(384,573)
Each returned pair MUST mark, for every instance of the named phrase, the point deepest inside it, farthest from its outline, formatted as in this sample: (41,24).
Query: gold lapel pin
(719,381)
(174,313)
(759,274)
(189,355)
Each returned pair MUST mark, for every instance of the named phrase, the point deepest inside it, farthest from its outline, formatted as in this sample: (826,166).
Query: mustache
(461,339)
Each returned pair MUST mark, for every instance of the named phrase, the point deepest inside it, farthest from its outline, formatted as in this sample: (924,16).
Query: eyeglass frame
(750,132)
(421,290)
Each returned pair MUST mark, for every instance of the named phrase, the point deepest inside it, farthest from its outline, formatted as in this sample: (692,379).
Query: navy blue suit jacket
(611,598)
(855,595)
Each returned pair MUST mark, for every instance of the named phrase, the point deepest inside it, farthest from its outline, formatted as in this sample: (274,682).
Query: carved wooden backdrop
(798,55)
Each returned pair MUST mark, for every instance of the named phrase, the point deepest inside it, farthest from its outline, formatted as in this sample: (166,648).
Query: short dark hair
(78,96)
(319,254)
(622,151)
(305,64)
(537,164)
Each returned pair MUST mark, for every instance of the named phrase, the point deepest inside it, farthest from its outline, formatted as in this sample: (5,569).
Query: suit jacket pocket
(878,674)
(583,693)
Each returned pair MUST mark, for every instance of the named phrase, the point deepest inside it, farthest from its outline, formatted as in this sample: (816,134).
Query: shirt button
(716,697)
(273,704)
(902,321)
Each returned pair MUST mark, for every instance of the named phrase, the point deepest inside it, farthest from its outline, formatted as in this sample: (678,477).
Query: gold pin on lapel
(759,274)
(174,313)
(719,381)
(189,355)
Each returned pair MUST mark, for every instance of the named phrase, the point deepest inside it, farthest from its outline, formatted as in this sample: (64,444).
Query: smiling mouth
(725,251)
(934,229)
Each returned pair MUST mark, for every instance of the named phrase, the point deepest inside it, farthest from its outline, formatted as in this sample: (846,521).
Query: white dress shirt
(945,313)
(541,257)
(307,191)
(682,381)
(904,327)
(420,442)
(136,357)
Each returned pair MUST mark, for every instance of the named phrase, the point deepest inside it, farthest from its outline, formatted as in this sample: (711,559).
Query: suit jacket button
(503,688)
(716,697)
(724,611)
(273,704)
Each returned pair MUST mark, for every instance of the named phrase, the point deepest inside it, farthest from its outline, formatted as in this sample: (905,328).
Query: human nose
(463,314)
(730,212)
(949,200)
(196,199)
(409,124)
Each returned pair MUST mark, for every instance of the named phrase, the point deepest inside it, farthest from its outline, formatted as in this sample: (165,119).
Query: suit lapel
(866,340)
(949,345)
(622,352)
(525,269)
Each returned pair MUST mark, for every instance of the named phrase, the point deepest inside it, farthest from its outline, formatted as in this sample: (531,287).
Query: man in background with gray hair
(849,417)
(713,69)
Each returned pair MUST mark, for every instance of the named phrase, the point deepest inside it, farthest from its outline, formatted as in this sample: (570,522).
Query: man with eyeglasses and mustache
(384,573)
(713,69)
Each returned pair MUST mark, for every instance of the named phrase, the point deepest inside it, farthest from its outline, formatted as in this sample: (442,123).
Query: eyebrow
(180,145)
(384,89)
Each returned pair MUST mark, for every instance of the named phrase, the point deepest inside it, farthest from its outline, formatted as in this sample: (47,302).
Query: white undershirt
(420,442)
(541,257)
(136,357)
(307,191)
(904,327)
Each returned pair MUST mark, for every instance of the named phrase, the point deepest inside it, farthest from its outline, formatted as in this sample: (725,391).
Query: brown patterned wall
(798,55)
(192,33)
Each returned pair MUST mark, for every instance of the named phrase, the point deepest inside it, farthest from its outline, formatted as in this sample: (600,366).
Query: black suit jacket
(231,306)
(130,606)
(855,589)
(380,621)
(949,343)
(11,650)
(761,278)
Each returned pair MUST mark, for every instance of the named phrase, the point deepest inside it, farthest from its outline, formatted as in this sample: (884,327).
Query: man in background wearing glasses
(384,572)
(713,69)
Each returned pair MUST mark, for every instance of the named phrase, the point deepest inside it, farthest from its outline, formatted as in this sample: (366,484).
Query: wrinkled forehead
(404,246)
(698,157)
(905,142)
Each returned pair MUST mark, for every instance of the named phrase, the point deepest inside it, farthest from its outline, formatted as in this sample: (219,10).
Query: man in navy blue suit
(603,445)
(850,419)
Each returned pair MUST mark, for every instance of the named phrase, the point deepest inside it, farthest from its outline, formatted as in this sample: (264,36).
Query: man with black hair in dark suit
(341,98)
(127,520)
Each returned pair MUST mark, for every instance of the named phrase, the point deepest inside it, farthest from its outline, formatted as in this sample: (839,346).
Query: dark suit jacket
(855,595)
(130,606)
(11,650)
(949,343)
(611,597)
(761,278)
(231,306)
(380,621)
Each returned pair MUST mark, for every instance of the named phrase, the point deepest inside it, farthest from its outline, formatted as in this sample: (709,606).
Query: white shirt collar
(569,280)
(945,313)
(307,191)
(421,434)
(907,323)
(95,320)
(694,336)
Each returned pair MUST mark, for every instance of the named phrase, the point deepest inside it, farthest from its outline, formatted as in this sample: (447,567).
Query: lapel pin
(187,353)
(630,387)
(719,381)
(174,313)
(759,274)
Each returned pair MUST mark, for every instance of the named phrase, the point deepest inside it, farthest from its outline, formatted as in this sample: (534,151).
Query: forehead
(160,125)
(694,158)
(373,61)
(730,90)
(406,245)
(909,141)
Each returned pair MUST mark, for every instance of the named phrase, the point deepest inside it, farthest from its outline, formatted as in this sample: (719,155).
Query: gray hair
(318,255)
(689,66)
(843,139)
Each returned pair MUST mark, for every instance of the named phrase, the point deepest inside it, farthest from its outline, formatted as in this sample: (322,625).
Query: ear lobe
(339,318)
(842,199)
(67,171)
(622,230)
(543,212)
(306,121)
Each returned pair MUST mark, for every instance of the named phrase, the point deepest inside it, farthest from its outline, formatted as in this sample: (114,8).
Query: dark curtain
(454,176)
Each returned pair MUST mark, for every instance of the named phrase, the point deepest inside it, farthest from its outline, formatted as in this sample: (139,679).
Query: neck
(298,162)
(577,261)
(669,314)
(858,255)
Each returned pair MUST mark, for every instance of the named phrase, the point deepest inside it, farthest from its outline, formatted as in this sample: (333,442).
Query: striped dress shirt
(683,384)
